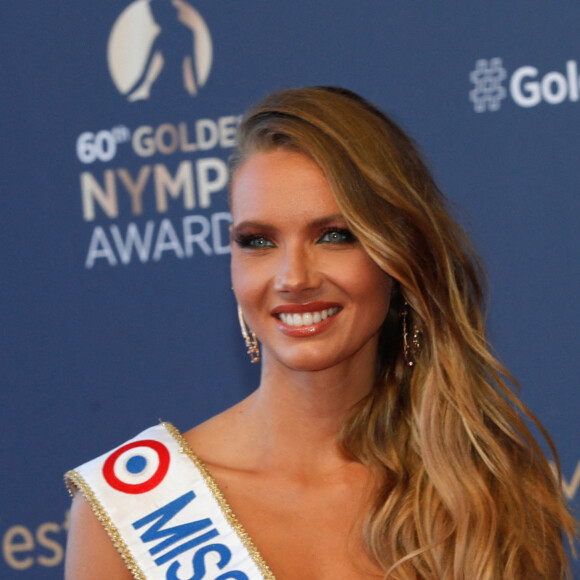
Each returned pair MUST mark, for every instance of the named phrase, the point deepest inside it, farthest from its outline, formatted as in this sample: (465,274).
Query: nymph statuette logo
(159,46)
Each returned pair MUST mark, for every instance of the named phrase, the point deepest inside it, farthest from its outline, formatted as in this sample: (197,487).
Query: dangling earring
(412,344)
(250,338)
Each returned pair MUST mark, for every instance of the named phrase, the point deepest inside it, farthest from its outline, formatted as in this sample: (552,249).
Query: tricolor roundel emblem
(137,467)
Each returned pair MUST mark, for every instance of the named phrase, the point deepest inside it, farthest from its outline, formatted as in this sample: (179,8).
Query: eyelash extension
(349,237)
(245,240)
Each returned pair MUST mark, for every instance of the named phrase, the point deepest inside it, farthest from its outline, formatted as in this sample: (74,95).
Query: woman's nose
(297,271)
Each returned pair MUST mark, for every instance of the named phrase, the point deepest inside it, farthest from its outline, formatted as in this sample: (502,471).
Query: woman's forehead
(278,182)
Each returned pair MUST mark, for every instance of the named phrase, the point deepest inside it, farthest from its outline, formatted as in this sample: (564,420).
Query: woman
(383,441)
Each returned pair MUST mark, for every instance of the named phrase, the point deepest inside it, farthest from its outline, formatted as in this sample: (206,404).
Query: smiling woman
(383,440)
(298,272)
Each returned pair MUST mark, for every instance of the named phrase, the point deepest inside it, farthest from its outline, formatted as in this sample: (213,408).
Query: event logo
(159,46)
(527,86)
(157,173)
(179,168)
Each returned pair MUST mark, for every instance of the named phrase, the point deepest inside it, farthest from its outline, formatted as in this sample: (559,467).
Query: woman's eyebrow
(253,224)
(327,219)
(317,222)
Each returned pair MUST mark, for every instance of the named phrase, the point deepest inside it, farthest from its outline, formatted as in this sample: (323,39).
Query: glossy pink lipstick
(302,320)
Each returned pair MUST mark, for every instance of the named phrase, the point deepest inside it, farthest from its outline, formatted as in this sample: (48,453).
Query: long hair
(463,489)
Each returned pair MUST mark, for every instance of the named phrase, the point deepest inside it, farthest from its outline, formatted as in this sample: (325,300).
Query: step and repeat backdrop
(117,118)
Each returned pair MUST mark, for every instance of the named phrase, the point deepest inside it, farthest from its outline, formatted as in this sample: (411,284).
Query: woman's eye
(260,243)
(337,236)
(253,241)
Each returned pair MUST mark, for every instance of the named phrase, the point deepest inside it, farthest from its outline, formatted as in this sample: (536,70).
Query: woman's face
(307,287)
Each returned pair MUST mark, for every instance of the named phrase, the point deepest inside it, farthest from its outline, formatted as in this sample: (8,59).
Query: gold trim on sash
(75,478)
(222,502)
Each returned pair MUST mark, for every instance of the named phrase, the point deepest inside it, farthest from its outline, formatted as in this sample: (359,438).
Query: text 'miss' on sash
(165,513)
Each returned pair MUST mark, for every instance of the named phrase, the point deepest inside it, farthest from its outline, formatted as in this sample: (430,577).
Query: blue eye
(337,236)
(253,241)
(260,243)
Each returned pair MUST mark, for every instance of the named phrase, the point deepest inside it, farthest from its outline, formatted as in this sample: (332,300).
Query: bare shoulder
(90,553)
(218,440)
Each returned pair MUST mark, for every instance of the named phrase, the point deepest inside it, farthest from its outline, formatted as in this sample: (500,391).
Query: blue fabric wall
(115,298)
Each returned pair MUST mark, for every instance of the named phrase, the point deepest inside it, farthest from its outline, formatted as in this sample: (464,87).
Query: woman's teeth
(307,318)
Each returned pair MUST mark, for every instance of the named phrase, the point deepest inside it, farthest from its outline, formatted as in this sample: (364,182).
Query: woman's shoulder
(90,553)
(217,440)
(210,440)
(122,490)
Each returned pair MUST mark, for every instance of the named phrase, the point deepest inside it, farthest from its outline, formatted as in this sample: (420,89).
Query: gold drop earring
(252,344)
(412,344)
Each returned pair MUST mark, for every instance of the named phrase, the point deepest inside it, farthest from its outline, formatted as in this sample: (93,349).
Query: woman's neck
(290,426)
(294,418)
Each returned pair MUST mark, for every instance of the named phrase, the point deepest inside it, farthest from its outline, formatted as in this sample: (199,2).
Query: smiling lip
(305,319)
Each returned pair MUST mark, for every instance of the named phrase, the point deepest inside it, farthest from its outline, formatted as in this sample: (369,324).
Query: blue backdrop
(117,117)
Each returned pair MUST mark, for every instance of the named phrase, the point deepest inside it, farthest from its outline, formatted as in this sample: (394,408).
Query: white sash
(164,512)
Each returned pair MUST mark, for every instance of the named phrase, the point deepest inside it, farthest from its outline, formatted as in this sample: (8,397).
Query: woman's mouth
(303,320)
(307,318)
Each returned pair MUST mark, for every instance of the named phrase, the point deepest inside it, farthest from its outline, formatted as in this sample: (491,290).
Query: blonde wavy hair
(463,489)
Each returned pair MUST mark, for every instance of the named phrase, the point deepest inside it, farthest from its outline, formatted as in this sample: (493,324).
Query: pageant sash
(164,512)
